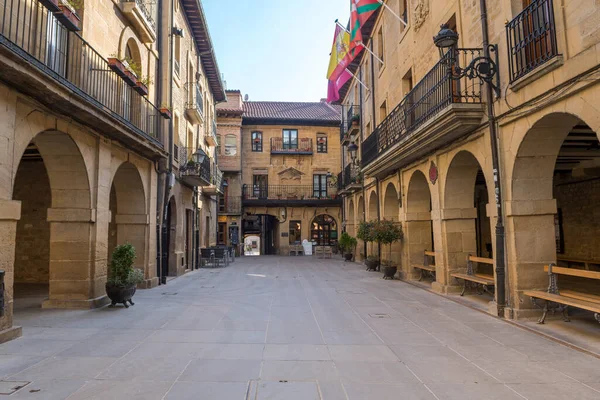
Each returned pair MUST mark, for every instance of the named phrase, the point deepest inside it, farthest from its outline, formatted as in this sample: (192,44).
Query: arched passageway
(466,226)
(54,251)
(360,217)
(373,249)
(391,212)
(129,218)
(419,226)
(350,220)
(555,199)
(324,231)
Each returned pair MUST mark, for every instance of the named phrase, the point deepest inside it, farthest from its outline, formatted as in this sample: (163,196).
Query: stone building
(281,162)
(80,138)
(193,87)
(425,154)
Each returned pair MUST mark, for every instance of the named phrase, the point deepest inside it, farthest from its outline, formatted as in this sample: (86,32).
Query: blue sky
(275,49)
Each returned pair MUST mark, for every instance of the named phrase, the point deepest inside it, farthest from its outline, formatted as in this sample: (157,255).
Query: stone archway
(418,234)
(350,221)
(52,184)
(372,206)
(360,217)
(465,224)
(391,212)
(172,263)
(559,152)
(129,218)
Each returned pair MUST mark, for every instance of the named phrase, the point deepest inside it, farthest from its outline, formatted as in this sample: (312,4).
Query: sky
(275,50)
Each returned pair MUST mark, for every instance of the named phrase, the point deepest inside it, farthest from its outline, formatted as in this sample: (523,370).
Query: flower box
(68,17)
(120,69)
(141,88)
(165,112)
(51,5)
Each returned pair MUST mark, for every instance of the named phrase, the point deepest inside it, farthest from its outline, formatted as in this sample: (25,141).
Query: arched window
(257,144)
(324,230)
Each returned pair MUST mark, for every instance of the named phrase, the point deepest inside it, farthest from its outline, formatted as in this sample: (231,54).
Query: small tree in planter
(347,245)
(388,232)
(366,233)
(121,285)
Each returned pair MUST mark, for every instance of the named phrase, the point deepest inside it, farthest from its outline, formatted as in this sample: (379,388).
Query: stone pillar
(531,244)
(73,282)
(458,227)
(10,212)
(417,239)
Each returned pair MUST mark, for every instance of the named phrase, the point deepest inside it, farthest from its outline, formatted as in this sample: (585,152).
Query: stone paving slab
(307,329)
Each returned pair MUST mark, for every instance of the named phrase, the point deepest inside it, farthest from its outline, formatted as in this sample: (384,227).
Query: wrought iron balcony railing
(145,11)
(436,91)
(193,173)
(288,192)
(350,118)
(299,146)
(531,37)
(32,32)
(230,205)
(352,175)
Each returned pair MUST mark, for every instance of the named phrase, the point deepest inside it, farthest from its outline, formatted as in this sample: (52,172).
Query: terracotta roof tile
(291,111)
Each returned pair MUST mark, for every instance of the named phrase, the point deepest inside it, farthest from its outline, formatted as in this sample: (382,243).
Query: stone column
(531,244)
(10,212)
(73,283)
(458,227)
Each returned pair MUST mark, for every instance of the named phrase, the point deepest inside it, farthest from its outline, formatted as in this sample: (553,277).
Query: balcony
(194,108)
(289,195)
(211,137)
(215,186)
(60,69)
(138,14)
(302,146)
(350,125)
(531,38)
(192,173)
(351,179)
(230,205)
(438,111)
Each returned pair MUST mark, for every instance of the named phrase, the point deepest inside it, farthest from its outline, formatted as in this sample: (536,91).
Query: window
(177,51)
(403,14)
(257,144)
(295,232)
(320,186)
(230,145)
(176,134)
(290,139)
(222,229)
(383,111)
(407,83)
(219,144)
(259,186)
(56,38)
(367,74)
(321,143)
(380,48)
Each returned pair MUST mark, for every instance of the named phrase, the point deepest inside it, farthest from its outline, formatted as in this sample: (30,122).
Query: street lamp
(199,156)
(352,149)
(484,67)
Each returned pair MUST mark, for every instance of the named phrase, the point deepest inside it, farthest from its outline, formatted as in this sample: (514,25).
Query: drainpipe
(500,236)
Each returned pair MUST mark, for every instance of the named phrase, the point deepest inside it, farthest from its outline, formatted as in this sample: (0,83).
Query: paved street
(288,328)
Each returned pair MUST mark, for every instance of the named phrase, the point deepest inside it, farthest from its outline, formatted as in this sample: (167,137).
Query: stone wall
(32,252)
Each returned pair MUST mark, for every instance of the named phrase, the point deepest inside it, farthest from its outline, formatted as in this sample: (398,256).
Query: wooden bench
(319,251)
(327,251)
(426,268)
(561,300)
(480,282)
(585,263)
(296,249)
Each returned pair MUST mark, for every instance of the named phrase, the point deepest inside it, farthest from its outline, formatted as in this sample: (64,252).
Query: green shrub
(387,232)
(122,272)
(347,243)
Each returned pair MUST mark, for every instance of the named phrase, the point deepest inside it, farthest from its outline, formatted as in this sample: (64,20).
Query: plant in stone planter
(165,111)
(67,14)
(388,232)
(347,245)
(366,233)
(121,285)
(356,118)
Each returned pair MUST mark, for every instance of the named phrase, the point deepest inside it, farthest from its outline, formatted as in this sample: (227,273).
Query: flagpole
(358,80)
(361,43)
(392,11)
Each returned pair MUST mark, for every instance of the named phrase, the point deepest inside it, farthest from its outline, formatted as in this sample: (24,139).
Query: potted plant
(388,232)
(67,14)
(366,233)
(355,119)
(165,111)
(347,245)
(121,285)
